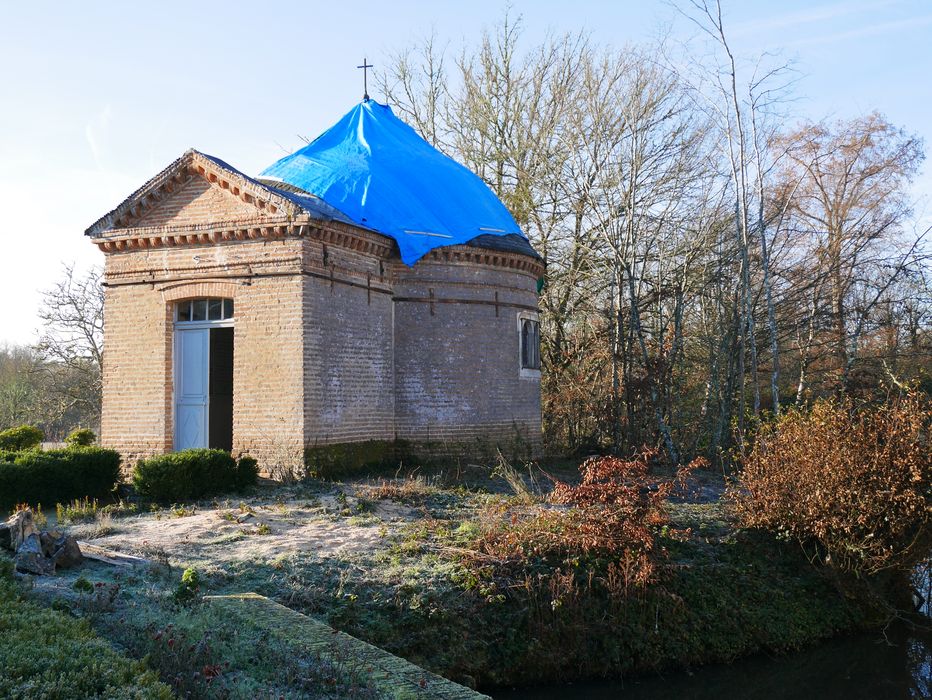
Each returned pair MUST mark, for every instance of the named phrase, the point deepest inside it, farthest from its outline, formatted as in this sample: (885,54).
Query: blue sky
(98,96)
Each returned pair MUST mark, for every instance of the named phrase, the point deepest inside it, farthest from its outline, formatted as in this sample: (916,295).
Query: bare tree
(72,312)
(851,206)
(665,200)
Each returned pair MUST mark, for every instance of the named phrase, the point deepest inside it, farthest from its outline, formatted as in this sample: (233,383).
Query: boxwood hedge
(23,437)
(56,476)
(192,474)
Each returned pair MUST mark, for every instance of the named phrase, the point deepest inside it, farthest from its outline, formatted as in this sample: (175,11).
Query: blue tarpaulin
(377,170)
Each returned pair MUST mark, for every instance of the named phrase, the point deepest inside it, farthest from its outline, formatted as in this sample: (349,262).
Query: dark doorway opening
(220,388)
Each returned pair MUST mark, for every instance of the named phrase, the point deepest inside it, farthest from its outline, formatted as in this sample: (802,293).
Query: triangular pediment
(195,190)
(193,201)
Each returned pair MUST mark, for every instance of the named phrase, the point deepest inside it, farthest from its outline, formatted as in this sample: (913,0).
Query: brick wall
(335,340)
(136,415)
(195,201)
(348,360)
(457,364)
(264,279)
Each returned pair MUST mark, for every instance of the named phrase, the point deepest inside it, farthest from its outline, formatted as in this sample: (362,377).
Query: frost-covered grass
(386,561)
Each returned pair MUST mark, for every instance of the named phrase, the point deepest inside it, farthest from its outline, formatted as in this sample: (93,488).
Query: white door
(192,357)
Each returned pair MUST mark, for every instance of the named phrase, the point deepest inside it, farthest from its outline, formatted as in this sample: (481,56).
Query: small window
(199,310)
(204,310)
(530,344)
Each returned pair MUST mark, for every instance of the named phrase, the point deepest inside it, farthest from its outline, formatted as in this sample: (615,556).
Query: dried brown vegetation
(852,483)
(606,526)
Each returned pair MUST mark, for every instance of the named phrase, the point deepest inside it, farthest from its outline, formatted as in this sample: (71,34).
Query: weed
(189,588)
(77,511)
(103,524)
(182,511)
(121,509)
(523,493)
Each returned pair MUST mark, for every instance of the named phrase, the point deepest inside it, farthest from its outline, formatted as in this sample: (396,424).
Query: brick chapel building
(365,288)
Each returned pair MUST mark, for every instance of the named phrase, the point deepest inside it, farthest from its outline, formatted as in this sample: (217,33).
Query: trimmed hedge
(24,437)
(57,476)
(81,437)
(192,474)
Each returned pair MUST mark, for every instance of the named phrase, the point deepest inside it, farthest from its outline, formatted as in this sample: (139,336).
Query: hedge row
(192,474)
(57,476)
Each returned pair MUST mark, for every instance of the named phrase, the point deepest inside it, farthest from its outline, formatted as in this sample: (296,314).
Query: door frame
(180,326)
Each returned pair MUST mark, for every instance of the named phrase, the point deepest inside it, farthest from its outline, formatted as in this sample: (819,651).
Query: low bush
(57,476)
(851,483)
(608,524)
(247,472)
(192,474)
(81,437)
(24,437)
(189,588)
(47,654)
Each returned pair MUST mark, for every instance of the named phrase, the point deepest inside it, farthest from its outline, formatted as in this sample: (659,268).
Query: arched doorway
(203,373)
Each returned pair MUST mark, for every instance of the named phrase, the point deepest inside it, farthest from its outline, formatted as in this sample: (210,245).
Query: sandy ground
(260,531)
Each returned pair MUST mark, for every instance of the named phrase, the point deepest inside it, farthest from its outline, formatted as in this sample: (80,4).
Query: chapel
(364,289)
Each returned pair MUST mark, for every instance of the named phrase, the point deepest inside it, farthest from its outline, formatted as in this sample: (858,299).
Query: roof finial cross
(365,79)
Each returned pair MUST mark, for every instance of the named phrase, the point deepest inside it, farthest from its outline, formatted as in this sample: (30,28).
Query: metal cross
(365,82)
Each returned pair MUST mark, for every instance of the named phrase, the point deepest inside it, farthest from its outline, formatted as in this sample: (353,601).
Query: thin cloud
(860,32)
(824,13)
(96,133)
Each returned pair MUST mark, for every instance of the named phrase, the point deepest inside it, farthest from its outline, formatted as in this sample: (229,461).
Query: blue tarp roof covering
(374,168)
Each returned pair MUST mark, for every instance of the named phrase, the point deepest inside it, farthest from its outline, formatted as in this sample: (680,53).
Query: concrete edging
(391,675)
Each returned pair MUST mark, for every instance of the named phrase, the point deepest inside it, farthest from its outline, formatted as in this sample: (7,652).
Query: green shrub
(188,475)
(57,476)
(81,437)
(22,438)
(189,587)
(247,472)
(47,654)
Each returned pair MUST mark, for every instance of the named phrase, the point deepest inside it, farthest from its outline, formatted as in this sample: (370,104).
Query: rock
(21,527)
(67,552)
(47,540)
(29,558)
(6,536)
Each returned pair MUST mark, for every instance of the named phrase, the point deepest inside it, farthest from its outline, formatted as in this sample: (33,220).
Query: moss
(45,653)
(348,458)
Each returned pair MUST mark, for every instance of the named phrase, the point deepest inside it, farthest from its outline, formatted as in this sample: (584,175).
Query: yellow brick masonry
(335,340)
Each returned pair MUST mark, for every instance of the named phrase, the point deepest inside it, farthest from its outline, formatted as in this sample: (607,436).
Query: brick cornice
(470,255)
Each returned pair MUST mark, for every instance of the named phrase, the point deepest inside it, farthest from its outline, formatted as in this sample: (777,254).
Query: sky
(96,97)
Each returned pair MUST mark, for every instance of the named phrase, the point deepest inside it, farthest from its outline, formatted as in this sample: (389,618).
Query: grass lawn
(382,560)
